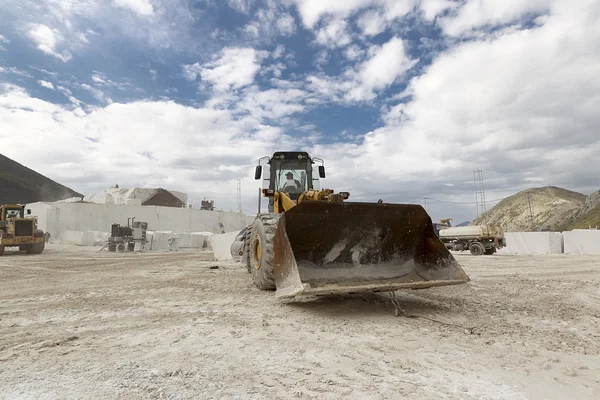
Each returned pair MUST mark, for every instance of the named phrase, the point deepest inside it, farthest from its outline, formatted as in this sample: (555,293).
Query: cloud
(433,8)
(141,7)
(312,11)
(372,23)
(233,68)
(3,41)
(241,6)
(475,14)
(353,52)
(286,25)
(46,84)
(16,71)
(208,149)
(96,93)
(385,65)
(519,102)
(271,21)
(334,34)
(47,40)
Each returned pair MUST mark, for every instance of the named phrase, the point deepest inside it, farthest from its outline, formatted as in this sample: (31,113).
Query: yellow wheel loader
(314,242)
(16,229)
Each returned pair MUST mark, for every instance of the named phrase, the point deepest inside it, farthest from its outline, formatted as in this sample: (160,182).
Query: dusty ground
(75,323)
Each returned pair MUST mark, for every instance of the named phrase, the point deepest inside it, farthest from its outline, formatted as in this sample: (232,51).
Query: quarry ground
(75,323)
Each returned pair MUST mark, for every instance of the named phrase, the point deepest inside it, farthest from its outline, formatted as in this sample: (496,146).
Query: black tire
(1,249)
(476,249)
(261,251)
(131,246)
(112,248)
(490,251)
(121,247)
(36,248)
(23,247)
(246,249)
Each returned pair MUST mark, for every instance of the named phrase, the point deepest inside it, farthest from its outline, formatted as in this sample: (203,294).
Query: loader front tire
(246,249)
(35,248)
(261,251)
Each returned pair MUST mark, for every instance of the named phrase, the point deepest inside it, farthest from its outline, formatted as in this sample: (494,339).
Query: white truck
(478,239)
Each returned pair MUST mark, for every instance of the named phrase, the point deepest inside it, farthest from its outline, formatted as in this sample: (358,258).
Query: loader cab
(13,211)
(291,172)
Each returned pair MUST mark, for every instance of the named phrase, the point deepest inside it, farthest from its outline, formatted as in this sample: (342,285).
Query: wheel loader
(315,242)
(16,229)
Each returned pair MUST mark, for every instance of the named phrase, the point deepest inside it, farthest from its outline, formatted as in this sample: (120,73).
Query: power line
(464,202)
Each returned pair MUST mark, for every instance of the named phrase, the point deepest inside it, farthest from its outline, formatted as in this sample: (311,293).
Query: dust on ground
(75,323)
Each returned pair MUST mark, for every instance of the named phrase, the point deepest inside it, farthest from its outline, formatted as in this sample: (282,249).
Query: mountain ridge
(20,184)
(549,208)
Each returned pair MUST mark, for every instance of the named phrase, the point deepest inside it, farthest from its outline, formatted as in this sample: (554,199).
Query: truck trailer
(478,239)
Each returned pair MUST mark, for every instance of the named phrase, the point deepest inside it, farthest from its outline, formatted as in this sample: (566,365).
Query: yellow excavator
(315,242)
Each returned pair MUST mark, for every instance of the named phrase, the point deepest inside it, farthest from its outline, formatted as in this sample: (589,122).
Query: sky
(402,99)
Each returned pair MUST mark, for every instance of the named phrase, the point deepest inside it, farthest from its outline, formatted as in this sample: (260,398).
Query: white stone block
(533,243)
(159,240)
(221,245)
(582,241)
(85,238)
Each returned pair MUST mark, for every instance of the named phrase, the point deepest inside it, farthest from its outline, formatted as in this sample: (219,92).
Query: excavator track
(261,251)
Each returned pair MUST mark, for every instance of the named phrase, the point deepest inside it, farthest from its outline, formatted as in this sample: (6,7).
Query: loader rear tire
(476,249)
(489,252)
(261,251)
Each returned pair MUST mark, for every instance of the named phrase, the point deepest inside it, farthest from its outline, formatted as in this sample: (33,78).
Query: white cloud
(334,34)
(286,24)
(271,21)
(242,6)
(207,149)
(477,13)
(191,71)
(432,8)
(47,40)
(141,7)
(385,65)
(46,84)
(96,93)
(372,23)
(312,11)
(524,101)
(272,103)
(353,52)
(3,41)
(234,68)
(16,71)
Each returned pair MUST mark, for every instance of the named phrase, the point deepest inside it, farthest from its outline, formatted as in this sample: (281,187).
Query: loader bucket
(323,248)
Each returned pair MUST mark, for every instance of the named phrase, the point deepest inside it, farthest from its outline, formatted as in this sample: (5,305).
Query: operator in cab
(291,183)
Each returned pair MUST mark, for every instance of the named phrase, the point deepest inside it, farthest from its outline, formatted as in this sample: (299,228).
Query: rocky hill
(553,209)
(19,184)
(589,214)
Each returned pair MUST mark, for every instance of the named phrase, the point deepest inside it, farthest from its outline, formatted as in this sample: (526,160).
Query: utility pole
(479,191)
(426,204)
(531,220)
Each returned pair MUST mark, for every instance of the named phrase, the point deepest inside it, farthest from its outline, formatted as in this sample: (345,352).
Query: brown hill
(19,184)
(552,208)
(589,214)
